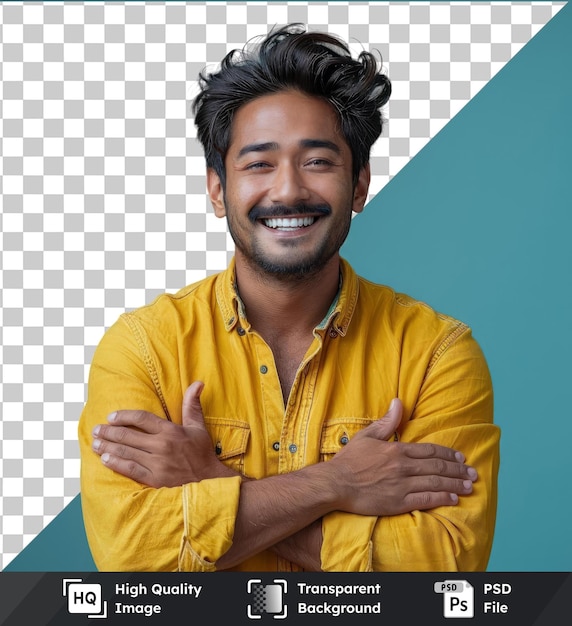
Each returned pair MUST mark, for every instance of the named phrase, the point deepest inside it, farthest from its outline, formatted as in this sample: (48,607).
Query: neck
(274,306)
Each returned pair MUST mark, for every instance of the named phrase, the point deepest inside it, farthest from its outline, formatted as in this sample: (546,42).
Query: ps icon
(458,598)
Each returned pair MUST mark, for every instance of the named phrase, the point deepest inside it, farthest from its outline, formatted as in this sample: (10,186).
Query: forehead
(285,117)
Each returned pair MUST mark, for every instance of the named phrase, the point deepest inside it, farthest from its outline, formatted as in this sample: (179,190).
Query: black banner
(59,599)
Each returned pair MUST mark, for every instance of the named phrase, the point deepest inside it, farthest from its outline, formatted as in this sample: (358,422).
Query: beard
(293,265)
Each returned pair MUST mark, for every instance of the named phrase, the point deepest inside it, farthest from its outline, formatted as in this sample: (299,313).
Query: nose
(288,185)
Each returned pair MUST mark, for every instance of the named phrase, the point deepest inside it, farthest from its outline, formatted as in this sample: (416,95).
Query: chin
(291,271)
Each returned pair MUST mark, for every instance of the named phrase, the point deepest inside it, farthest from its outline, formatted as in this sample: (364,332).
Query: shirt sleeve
(129,526)
(453,408)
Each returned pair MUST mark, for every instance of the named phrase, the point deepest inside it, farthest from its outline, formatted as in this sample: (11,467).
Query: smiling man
(288,198)
(287,414)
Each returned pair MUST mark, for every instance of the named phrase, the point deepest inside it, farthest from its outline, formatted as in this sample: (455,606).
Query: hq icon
(84,598)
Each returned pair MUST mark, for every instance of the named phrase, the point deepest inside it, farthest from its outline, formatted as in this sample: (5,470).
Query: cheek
(334,188)
(244,194)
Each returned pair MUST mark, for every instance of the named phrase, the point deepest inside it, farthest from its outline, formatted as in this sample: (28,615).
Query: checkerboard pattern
(102,187)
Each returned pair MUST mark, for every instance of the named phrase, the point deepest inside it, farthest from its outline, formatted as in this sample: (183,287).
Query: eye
(258,165)
(319,163)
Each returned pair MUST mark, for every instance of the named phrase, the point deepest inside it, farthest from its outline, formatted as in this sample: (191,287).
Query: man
(287,414)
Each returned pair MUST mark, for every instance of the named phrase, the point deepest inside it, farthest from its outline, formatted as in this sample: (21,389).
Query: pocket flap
(229,436)
(338,432)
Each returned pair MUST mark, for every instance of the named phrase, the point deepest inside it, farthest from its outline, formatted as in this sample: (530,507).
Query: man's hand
(373,476)
(156,452)
(379,477)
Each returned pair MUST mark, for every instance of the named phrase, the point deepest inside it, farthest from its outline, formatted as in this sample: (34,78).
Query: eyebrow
(305,143)
(321,143)
(258,147)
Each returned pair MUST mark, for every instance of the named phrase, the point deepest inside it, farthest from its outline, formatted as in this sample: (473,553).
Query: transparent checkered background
(102,188)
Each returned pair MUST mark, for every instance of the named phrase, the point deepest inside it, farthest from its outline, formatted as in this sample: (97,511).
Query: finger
(192,409)
(385,427)
(129,468)
(433,450)
(439,467)
(119,450)
(126,437)
(459,486)
(429,500)
(143,420)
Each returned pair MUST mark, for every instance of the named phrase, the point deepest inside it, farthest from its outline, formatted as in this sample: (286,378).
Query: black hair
(315,63)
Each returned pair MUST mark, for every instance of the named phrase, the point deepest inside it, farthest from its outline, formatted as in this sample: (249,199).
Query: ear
(361,189)
(216,192)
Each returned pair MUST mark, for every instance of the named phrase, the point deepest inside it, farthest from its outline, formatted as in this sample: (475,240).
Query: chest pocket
(230,440)
(338,432)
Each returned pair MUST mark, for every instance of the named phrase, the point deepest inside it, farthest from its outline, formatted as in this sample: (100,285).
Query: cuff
(347,542)
(209,513)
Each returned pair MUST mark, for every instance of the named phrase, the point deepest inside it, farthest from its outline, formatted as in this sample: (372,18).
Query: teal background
(478,225)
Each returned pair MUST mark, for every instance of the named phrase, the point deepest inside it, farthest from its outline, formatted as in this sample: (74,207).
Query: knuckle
(133,470)
(166,449)
(440,466)
(139,417)
(435,483)
(403,468)
(120,434)
(430,449)
(423,500)
(396,452)
(131,417)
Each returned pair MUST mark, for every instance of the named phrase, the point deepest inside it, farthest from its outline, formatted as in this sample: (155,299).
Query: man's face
(289,192)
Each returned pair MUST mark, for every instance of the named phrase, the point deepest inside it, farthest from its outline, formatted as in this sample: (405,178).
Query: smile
(289,223)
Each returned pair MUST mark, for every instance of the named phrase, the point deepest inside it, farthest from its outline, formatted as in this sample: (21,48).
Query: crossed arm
(369,477)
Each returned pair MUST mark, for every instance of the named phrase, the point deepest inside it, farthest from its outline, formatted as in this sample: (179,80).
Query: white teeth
(289,223)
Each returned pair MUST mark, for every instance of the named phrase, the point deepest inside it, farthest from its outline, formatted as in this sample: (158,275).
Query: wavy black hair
(315,63)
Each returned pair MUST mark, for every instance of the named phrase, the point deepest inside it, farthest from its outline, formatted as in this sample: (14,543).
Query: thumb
(192,409)
(386,426)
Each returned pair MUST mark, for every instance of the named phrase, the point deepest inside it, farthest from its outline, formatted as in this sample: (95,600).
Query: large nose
(289,185)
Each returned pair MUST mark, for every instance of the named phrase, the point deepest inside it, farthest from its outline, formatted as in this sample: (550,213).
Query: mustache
(283,210)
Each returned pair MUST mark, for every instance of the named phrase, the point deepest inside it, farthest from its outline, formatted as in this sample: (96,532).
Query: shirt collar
(343,307)
(338,317)
(229,303)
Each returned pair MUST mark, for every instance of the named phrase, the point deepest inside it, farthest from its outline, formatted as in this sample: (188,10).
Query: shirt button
(333,333)
(240,330)
(218,448)
(293,448)
(344,440)
(276,445)
(263,369)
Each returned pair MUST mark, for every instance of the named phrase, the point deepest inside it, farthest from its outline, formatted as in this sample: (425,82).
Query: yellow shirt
(372,346)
